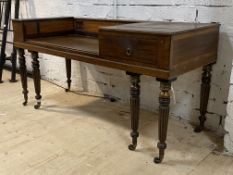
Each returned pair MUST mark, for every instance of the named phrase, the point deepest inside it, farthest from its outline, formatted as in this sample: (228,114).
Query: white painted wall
(98,80)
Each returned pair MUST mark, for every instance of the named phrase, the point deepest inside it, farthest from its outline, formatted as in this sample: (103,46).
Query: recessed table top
(70,42)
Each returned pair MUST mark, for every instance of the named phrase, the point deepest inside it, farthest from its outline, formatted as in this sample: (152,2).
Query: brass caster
(37,106)
(157,160)
(132,147)
(25,103)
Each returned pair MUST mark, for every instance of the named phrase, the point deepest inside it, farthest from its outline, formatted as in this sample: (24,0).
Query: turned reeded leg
(134,105)
(23,74)
(36,78)
(68,74)
(205,91)
(164,102)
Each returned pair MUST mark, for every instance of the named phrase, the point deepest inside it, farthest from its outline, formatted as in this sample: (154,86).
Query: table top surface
(161,28)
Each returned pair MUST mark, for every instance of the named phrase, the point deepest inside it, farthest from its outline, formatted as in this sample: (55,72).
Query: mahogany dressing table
(163,50)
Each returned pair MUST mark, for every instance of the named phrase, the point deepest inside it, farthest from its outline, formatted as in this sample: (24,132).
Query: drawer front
(136,49)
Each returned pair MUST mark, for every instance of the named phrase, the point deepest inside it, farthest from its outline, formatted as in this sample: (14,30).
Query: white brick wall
(98,80)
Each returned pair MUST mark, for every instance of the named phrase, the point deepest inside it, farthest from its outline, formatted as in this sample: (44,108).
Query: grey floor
(79,135)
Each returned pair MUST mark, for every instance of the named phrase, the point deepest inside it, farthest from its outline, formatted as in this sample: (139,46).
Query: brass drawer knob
(129,52)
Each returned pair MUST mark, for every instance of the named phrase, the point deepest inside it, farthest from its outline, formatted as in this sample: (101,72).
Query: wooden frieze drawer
(133,48)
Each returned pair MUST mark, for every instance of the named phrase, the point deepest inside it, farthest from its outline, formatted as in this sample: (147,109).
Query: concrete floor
(79,135)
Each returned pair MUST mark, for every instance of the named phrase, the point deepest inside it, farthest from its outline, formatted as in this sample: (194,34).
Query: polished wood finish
(173,47)
(194,49)
(135,106)
(169,51)
(135,49)
(205,91)
(36,78)
(91,27)
(163,50)
(25,29)
(23,75)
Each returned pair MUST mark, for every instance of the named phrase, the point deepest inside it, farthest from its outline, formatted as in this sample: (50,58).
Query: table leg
(205,91)
(23,74)
(36,78)
(68,73)
(2,62)
(134,105)
(164,102)
(14,65)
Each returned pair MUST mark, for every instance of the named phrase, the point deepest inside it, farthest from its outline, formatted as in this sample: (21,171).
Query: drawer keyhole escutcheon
(129,52)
